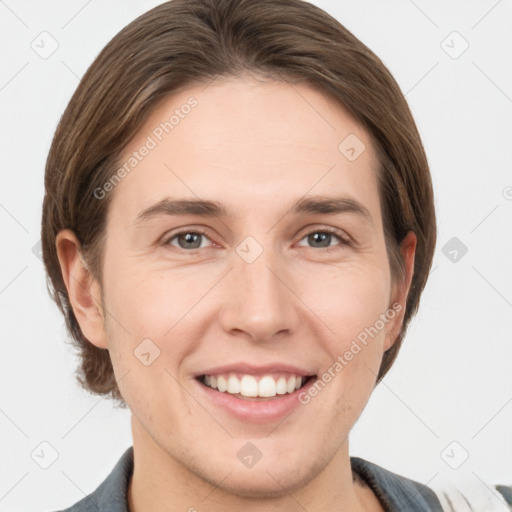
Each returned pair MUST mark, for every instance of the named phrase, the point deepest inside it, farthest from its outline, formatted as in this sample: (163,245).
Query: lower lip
(256,411)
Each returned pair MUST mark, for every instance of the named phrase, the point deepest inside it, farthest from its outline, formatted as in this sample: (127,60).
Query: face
(263,278)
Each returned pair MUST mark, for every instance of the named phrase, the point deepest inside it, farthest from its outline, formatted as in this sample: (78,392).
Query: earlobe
(401,290)
(82,287)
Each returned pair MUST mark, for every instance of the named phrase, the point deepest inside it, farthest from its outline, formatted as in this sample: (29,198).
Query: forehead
(248,140)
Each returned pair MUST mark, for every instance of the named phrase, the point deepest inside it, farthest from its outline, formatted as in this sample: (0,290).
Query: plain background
(449,395)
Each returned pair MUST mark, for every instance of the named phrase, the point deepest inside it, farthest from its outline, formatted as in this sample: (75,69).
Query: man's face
(260,293)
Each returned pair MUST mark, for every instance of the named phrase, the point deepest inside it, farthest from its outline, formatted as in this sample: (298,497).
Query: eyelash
(344,241)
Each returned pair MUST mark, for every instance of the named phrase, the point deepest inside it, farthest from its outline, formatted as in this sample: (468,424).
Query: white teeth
(267,387)
(249,386)
(222,385)
(233,385)
(281,386)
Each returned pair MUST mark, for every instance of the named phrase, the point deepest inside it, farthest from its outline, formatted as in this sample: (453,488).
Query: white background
(453,378)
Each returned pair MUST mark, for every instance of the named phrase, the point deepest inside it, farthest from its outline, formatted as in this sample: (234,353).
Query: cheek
(152,300)
(156,316)
(355,308)
(348,299)
(147,329)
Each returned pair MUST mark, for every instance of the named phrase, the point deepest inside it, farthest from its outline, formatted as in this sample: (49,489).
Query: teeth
(222,385)
(267,387)
(233,385)
(281,386)
(249,386)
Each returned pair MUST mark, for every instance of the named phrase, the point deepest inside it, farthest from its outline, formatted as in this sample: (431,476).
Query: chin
(274,478)
(261,483)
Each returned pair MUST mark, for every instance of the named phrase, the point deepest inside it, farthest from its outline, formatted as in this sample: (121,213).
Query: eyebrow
(213,209)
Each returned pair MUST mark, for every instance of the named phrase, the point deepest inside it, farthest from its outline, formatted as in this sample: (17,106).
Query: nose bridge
(259,278)
(260,303)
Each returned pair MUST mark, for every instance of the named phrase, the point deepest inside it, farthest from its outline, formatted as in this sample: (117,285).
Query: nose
(259,299)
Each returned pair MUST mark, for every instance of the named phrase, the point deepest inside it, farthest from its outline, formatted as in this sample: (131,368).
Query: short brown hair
(187,42)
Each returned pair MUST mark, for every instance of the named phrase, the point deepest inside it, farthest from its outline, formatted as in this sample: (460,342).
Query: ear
(83,289)
(401,289)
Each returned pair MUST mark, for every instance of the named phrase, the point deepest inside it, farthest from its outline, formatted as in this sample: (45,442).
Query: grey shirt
(396,493)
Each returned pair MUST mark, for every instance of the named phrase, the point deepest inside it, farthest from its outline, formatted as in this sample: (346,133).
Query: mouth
(256,387)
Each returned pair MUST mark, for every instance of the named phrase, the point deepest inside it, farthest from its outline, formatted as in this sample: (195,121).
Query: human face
(257,292)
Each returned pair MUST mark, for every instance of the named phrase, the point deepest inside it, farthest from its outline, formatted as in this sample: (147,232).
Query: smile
(255,393)
(251,386)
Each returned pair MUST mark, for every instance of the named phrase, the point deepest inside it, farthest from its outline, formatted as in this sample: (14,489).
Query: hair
(181,43)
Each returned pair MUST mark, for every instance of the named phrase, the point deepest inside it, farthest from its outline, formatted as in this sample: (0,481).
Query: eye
(187,239)
(194,239)
(322,238)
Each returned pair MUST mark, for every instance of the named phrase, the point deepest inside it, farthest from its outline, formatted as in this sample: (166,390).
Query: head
(267,113)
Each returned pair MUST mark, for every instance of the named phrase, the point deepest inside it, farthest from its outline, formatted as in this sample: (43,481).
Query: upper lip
(251,369)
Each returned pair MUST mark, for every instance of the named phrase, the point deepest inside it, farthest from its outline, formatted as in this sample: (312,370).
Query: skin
(256,146)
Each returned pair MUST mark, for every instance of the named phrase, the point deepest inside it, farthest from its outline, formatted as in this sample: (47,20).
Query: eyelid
(343,236)
(181,231)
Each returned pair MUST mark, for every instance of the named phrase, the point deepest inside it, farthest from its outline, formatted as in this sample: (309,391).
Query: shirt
(396,493)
